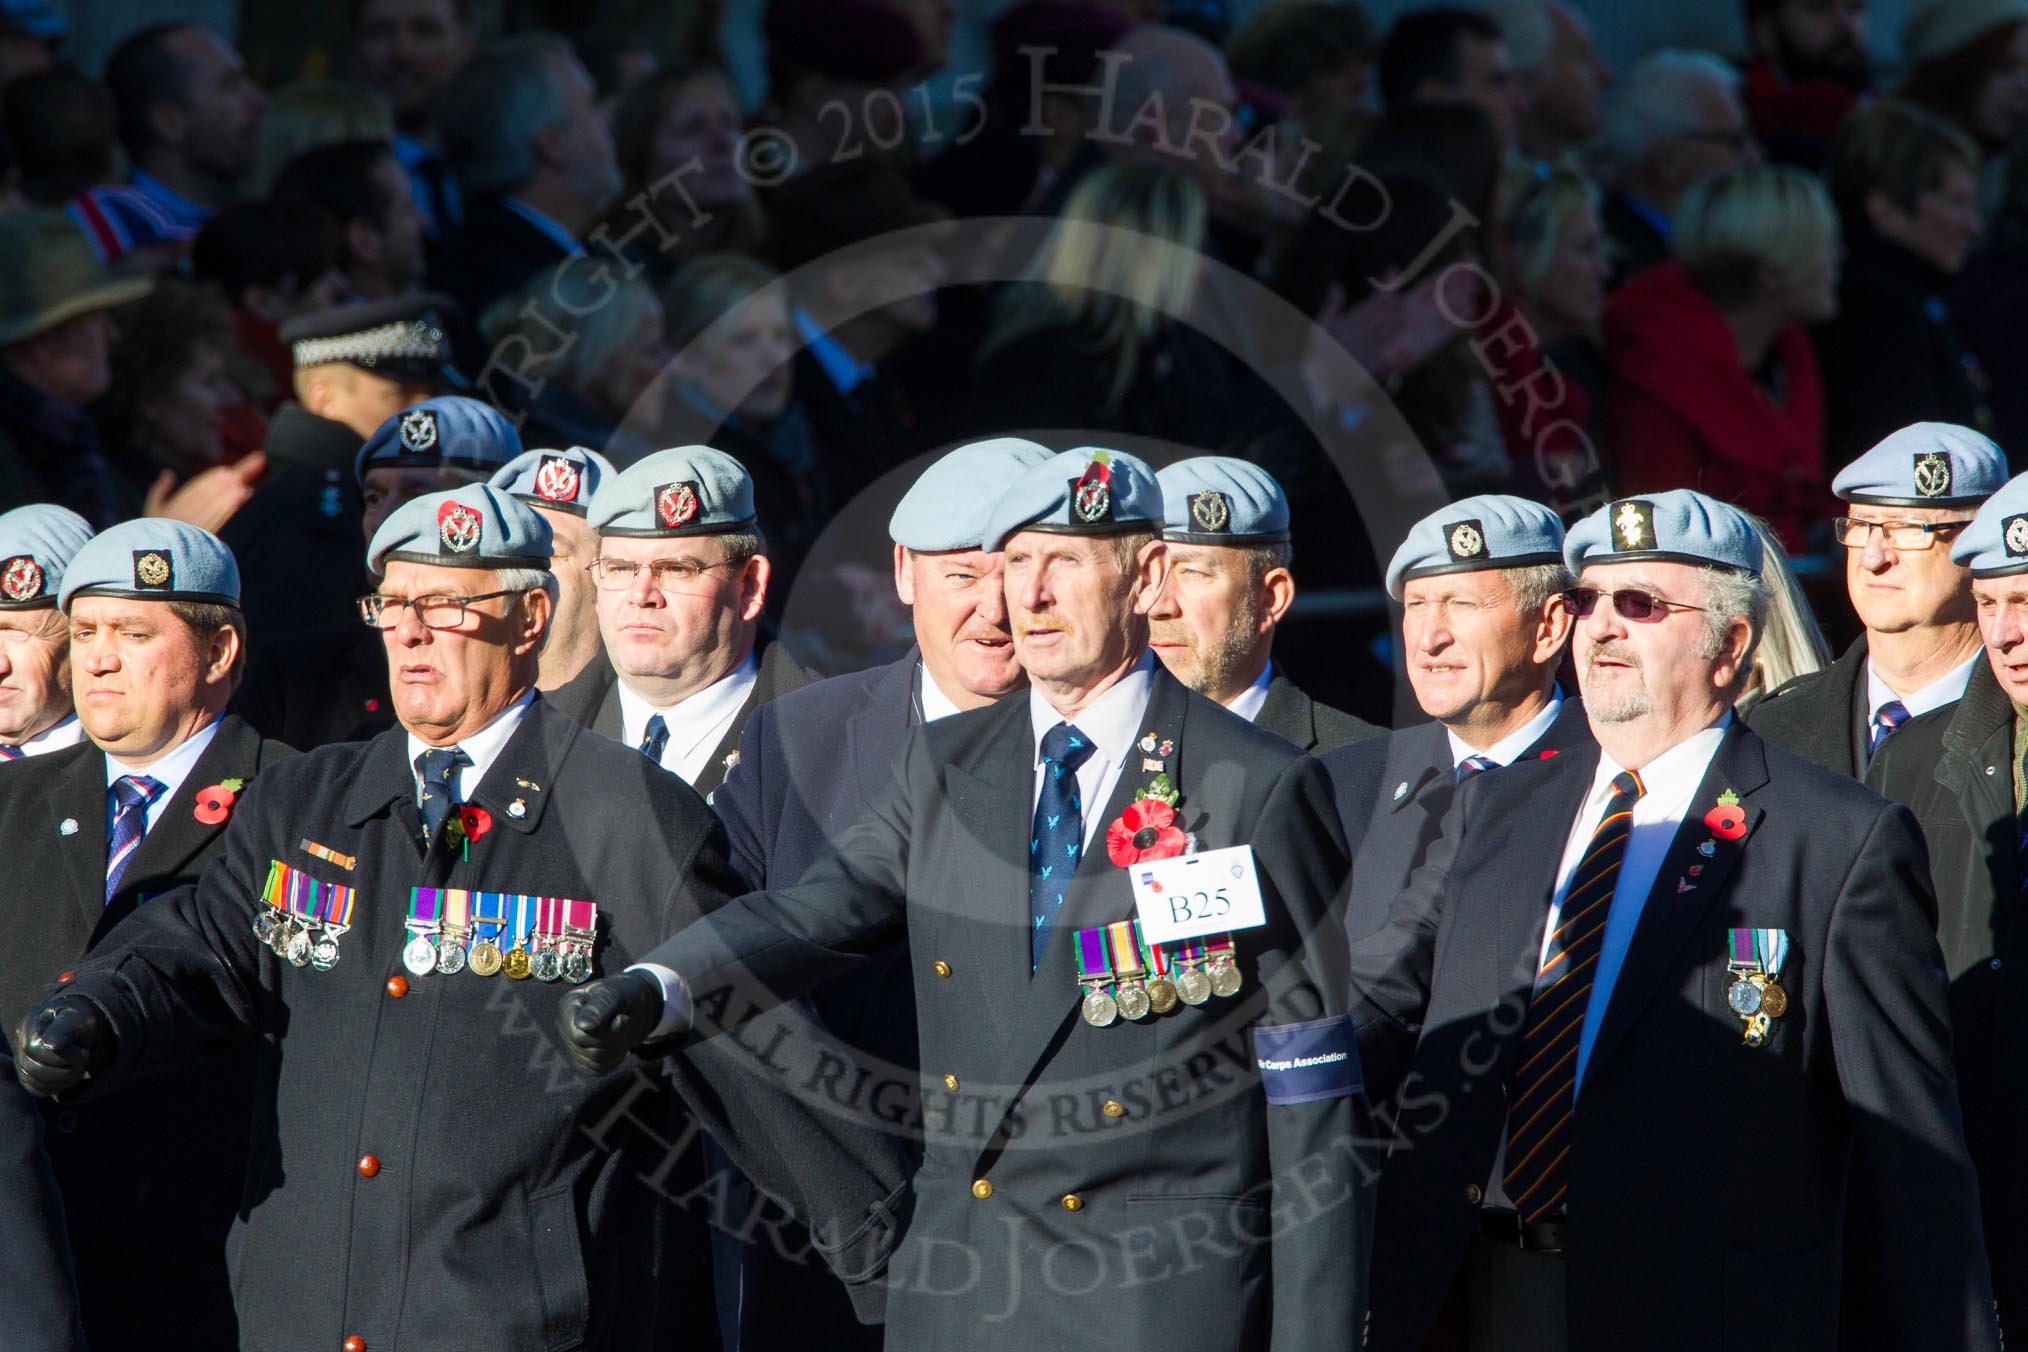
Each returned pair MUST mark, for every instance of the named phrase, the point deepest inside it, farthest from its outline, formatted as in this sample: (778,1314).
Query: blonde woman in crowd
(1791,645)
(1092,336)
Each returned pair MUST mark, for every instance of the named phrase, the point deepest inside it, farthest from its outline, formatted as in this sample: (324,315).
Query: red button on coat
(355,1344)
(368,1166)
(397,986)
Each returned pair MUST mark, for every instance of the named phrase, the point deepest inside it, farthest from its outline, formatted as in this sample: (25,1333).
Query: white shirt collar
(935,703)
(846,371)
(1946,689)
(1504,751)
(1675,773)
(483,746)
(1111,721)
(171,770)
(547,224)
(696,725)
(65,733)
(1248,701)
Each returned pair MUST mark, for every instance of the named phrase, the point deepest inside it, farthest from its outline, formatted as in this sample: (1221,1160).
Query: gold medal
(485,958)
(1774,1001)
(515,963)
(1161,995)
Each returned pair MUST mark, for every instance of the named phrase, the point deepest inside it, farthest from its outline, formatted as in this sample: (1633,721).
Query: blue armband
(1304,1062)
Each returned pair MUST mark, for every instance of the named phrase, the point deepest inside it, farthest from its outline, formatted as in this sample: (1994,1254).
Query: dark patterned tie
(436,766)
(1886,719)
(131,796)
(1473,765)
(1544,1088)
(1058,838)
(655,738)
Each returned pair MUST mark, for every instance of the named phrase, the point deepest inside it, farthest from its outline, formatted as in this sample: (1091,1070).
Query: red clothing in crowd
(1542,413)
(1686,415)
(1803,111)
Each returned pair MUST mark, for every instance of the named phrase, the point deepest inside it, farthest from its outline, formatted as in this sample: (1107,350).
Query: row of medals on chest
(565,956)
(1144,985)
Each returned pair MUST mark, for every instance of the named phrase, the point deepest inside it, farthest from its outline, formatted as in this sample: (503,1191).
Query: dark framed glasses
(1629,604)
(1902,536)
(435,612)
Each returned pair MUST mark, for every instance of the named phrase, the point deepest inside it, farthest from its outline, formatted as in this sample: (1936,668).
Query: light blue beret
(1679,526)
(1926,464)
(1217,500)
(562,481)
(1492,531)
(949,504)
(37,543)
(1088,491)
(1996,543)
(690,490)
(154,559)
(476,526)
(448,430)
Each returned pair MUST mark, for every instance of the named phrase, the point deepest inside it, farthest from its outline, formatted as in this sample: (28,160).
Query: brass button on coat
(1072,1202)
(368,1166)
(982,1188)
(1114,1108)
(1472,1193)
(950,1082)
(940,967)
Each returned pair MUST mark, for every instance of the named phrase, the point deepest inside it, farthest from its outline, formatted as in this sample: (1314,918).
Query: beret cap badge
(458,526)
(1210,511)
(1634,520)
(2015,535)
(676,504)
(419,430)
(557,480)
(1933,474)
(152,570)
(1465,540)
(21,578)
(1091,493)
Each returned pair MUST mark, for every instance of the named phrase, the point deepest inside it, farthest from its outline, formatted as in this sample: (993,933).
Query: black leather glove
(61,1043)
(605,1020)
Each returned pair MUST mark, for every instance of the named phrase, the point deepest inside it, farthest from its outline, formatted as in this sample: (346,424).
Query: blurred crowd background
(1573,249)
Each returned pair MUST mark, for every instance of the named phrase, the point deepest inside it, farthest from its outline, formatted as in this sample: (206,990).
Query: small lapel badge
(1707,849)
(1684,885)
(68,826)
(1401,791)
(1151,765)
(517,809)
(528,784)
(1148,743)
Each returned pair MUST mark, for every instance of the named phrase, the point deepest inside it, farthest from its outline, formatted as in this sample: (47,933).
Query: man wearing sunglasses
(1960,770)
(1910,497)
(1665,1003)
(1483,629)
(682,575)
(396,922)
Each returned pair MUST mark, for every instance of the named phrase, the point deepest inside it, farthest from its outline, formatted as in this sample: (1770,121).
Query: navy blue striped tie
(655,738)
(1058,838)
(1474,765)
(1543,1092)
(131,796)
(1886,719)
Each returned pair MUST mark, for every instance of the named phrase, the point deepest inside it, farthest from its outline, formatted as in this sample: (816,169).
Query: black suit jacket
(492,253)
(42,1313)
(1297,719)
(1392,794)
(148,1235)
(297,538)
(1953,767)
(592,699)
(515,1201)
(1051,1137)
(1708,1179)
(323,685)
(1823,717)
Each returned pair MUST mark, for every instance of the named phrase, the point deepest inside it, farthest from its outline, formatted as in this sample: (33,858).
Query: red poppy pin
(214,804)
(469,823)
(1551,751)
(1726,821)
(1147,828)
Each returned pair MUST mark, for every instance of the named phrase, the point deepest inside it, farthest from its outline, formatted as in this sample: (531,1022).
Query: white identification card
(1197,894)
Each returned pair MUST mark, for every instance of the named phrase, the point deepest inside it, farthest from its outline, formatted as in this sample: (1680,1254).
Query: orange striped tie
(1544,1088)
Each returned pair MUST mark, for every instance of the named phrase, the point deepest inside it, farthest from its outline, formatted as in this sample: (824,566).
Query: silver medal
(450,957)
(324,952)
(419,955)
